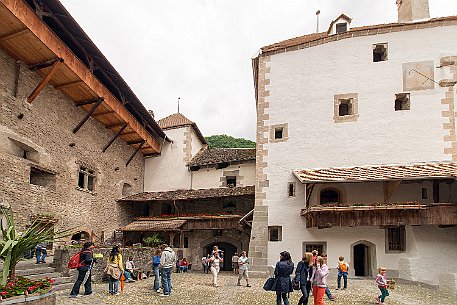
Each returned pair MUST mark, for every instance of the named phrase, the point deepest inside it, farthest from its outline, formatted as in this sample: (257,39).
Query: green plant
(152,241)
(21,285)
(13,245)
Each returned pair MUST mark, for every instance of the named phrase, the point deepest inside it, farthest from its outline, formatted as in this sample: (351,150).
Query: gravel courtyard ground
(195,288)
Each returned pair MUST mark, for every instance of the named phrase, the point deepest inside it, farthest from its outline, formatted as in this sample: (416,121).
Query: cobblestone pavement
(195,288)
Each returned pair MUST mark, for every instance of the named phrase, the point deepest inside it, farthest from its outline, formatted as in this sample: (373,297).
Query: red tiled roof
(154,225)
(221,155)
(177,120)
(353,32)
(378,173)
(190,194)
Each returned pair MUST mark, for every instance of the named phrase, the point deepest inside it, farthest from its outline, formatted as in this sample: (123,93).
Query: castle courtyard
(195,288)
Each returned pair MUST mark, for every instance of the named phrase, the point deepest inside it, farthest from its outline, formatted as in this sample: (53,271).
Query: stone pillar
(410,10)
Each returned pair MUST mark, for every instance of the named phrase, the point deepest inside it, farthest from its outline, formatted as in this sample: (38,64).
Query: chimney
(411,10)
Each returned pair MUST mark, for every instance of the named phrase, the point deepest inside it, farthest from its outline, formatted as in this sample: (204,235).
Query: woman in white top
(214,262)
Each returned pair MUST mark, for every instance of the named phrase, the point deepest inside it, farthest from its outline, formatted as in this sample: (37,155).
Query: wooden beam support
(134,154)
(114,137)
(88,102)
(135,142)
(389,188)
(42,32)
(119,124)
(68,84)
(44,81)
(43,64)
(309,191)
(128,132)
(87,116)
(104,113)
(12,35)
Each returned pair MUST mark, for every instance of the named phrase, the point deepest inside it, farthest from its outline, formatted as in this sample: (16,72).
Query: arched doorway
(363,258)
(228,250)
(81,237)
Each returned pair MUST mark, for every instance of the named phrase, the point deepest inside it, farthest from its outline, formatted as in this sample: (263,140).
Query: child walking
(381,281)
(343,269)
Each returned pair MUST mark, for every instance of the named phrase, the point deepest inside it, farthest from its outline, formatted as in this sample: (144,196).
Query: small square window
(275,233)
(291,189)
(278,133)
(341,27)
(424,193)
(86,179)
(395,239)
(320,247)
(41,177)
(345,107)
(231,181)
(379,52)
(402,101)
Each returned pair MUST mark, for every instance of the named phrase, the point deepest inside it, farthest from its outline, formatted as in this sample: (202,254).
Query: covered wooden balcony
(443,214)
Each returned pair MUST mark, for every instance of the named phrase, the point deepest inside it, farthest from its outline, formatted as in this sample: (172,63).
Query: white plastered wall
(302,86)
(210,177)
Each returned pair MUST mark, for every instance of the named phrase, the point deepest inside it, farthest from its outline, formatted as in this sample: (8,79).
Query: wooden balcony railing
(381,215)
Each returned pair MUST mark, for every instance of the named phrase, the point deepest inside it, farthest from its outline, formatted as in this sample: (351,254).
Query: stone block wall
(44,130)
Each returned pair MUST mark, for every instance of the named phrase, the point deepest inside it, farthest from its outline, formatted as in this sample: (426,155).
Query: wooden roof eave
(29,19)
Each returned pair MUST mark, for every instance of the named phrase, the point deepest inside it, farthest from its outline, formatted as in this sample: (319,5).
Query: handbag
(270,284)
(296,285)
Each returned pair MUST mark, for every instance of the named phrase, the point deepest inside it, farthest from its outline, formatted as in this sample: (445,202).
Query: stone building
(356,147)
(72,133)
(194,197)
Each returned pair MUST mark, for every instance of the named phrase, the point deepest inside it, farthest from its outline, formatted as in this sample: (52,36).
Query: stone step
(63,286)
(52,275)
(40,269)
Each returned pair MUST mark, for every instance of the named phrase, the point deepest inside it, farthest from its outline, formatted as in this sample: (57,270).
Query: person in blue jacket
(284,268)
(155,266)
(303,275)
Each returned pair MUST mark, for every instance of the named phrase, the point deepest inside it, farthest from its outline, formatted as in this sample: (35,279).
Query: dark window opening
(86,178)
(81,180)
(275,233)
(380,52)
(41,177)
(341,27)
(424,193)
(194,168)
(319,247)
(231,181)
(222,165)
(186,242)
(396,240)
(330,196)
(402,101)
(229,205)
(291,189)
(278,133)
(345,108)
(218,232)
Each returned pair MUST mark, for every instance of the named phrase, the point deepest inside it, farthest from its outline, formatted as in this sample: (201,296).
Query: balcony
(444,214)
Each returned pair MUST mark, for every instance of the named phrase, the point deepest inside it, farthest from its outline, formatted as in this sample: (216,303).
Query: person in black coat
(284,268)
(303,275)
(84,271)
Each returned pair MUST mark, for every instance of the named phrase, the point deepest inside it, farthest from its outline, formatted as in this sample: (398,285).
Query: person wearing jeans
(41,253)
(343,269)
(84,271)
(155,268)
(114,270)
(167,261)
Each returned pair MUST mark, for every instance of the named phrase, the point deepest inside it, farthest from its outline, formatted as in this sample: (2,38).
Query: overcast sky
(200,50)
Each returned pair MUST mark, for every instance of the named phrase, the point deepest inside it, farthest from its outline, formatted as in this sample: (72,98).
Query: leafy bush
(153,241)
(225,141)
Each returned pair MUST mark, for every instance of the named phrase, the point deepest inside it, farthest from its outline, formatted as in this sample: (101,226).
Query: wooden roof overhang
(50,49)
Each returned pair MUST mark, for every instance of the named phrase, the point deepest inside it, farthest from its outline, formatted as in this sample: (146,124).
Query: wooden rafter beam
(87,116)
(42,32)
(43,64)
(119,124)
(128,132)
(69,84)
(104,113)
(114,137)
(44,81)
(12,35)
(134,154)
(87,102)
(135,142)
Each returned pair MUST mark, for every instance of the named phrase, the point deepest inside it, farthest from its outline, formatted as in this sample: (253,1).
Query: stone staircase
(29,269)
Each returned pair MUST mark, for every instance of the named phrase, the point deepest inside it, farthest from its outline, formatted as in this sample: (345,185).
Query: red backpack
(75,260)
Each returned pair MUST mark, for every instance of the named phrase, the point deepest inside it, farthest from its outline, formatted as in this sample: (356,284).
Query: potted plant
(13,246)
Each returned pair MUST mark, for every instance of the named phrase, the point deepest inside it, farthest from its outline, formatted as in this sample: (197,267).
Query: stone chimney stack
(411,10)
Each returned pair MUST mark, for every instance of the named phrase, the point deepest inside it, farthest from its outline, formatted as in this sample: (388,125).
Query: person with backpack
(83,261)
(303,275)
(155,267)
(114,269)
(343,269)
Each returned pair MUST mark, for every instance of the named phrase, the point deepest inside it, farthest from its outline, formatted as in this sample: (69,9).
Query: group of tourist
(311,276)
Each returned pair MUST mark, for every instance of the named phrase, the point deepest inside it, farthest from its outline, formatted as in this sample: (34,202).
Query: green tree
(225,141)
(13,245)
(152,241)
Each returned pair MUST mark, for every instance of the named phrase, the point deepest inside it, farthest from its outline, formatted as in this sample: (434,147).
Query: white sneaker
(164,295)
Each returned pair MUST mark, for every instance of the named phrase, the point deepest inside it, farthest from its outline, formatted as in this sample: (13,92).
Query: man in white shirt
(243,262)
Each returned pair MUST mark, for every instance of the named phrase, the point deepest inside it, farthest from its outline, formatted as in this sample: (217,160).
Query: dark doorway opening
(361,260)
(228,251)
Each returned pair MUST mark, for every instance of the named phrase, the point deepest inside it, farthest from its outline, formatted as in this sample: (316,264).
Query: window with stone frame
(345,107)
(321,247)
(275,233)
(231,181)
(279,133)
(402,101)
(395,239)
(42,177)
(379,52)
(86,178)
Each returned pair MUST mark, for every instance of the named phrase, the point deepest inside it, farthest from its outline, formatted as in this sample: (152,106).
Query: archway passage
(228,250)
(361,260)
(81,237)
